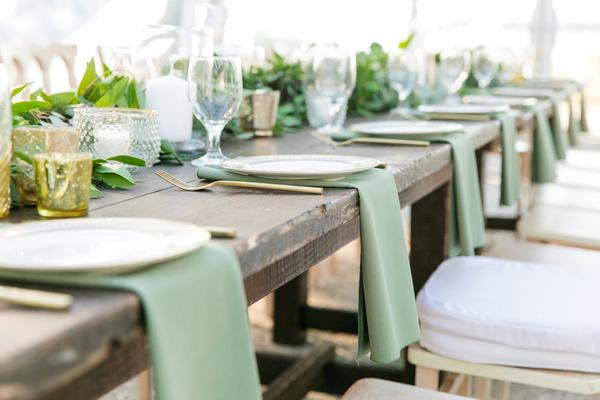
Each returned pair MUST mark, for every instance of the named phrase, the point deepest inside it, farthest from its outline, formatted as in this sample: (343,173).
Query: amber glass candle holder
(31,140)
(63,183)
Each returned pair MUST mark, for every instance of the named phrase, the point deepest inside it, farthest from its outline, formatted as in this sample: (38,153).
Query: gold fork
(375,140)
(35,298)
(255,185)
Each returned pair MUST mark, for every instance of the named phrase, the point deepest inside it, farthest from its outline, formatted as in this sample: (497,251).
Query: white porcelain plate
(399,128)
(522,92)
(299,166)
(469,109)
(500,100)
(96,245)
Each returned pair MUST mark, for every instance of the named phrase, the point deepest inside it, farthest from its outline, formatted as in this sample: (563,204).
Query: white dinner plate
(499,100)
(399,128)
(96,245)
(470,109)
(299,166)
(522,92)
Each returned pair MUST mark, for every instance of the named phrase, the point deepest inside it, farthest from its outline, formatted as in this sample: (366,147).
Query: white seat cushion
(494,311)
(574,227)
(577,177)
(583,158)
(377,389)
(551,194)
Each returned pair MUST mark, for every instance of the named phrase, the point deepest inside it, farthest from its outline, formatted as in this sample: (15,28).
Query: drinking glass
(329,77)
(402,72)
(215,91)
(485,66)
(5,147)
(453,71)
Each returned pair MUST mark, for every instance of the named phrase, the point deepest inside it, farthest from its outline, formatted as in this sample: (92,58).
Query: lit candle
(169,96)
(112,140)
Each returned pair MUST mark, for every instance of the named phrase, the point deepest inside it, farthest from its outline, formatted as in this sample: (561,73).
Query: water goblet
(215,91)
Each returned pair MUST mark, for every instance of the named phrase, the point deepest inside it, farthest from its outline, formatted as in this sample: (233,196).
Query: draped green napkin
(196,317)
(544,154)
(583,124)
(387,314)
(467,209)
(510,186)
(558,135)
(574,127)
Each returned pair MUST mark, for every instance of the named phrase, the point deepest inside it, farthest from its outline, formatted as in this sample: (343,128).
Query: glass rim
(180,28)
(228,58)
(116,110)
(63,156)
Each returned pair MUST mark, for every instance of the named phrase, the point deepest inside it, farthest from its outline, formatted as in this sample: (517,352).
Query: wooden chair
(377,389)
(17,58)
(429,365)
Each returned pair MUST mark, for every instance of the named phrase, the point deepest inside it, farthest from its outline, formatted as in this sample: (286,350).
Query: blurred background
(42,40)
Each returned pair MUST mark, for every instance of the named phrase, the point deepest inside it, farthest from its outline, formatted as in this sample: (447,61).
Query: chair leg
(145,385)
(482,388)
(427,378)
(503,390)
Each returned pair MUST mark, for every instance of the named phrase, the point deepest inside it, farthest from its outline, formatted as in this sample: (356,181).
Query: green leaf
(19,89)
(24,157)
(95,193)
(406,42)
(129,160)
(89,76)
(103,170)
(21,107)
(112,96)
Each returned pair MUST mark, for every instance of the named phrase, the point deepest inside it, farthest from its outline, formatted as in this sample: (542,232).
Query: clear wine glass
(453,71)
(329,78)
(215,91)
(402,72)
(485,66)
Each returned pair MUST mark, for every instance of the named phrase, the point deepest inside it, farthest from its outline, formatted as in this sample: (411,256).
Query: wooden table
(100,342)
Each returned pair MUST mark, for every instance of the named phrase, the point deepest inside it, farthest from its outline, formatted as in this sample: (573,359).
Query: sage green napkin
(574,126)
(196,317)
(544,154)
(558,134)
(510,186)
(467,208)
(387,314)
(583,114)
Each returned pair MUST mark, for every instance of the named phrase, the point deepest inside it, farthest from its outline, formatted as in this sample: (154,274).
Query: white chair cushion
(552,194)
(480,309)
(377,389)
(574,227)
(577,177)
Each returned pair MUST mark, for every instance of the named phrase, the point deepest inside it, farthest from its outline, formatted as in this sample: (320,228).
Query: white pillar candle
(169,96)
(113,140)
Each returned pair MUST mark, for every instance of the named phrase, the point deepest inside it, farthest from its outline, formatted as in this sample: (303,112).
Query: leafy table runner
(467,210)
(196,317)
(387,315)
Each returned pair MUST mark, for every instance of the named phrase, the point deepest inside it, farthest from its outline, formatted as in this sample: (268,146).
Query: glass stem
(213,140)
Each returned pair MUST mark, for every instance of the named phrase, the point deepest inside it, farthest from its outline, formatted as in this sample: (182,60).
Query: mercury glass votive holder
(31,140)
(106,132)
(63,183)
(258,112)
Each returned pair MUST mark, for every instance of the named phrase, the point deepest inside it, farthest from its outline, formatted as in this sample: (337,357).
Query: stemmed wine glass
(453,70)
(402,72)
(215,91)
(329,77)
(485,66)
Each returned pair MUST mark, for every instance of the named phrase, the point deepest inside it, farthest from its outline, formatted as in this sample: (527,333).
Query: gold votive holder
(258,112)
(63,183)
(31,140)
(4,181)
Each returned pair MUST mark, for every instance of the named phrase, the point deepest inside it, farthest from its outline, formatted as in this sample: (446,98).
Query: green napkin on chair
(196,317)
(544,153)
(467,208)
(387,314)
(558,134)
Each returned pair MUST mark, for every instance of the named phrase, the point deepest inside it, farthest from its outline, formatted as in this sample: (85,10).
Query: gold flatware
(221,232)
(35,298)
(374,140)
(458,117)
(254,185)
